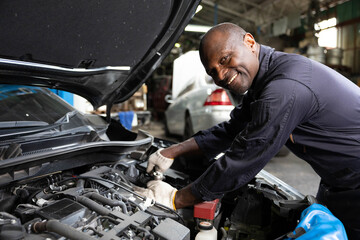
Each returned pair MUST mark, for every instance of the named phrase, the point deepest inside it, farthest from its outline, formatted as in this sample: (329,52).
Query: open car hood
(101,50)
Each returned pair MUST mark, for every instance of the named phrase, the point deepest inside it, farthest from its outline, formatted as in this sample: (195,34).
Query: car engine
(84,196)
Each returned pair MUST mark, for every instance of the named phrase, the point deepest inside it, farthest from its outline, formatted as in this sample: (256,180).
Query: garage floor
(290,169)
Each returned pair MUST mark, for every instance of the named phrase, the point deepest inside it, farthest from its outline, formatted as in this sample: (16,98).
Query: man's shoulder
(289,66)
(289,59)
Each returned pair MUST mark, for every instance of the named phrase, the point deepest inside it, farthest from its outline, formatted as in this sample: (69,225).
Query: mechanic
(288,99)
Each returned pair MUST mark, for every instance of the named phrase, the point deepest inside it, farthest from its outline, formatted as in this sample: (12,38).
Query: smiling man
(290,100)
(230,65)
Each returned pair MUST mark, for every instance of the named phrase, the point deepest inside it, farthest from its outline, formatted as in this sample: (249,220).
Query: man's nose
(220,75)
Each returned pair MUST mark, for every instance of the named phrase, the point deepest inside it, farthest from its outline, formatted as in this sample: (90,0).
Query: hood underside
(102,50)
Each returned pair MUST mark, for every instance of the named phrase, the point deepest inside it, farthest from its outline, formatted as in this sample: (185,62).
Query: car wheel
(188,131)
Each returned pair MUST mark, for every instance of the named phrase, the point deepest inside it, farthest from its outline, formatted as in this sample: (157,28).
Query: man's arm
(185,198)
(206,143)
(188,147)
(162,159)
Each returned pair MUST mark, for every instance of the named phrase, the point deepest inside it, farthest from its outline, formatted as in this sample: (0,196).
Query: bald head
(227,31)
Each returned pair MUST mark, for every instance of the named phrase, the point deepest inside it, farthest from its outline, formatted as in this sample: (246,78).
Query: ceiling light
(197,28)
(177,45)
(325,24)
(198,9)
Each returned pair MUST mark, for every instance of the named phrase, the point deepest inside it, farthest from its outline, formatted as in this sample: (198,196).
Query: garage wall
(348,16)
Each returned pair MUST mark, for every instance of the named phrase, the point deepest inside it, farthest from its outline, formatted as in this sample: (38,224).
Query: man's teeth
(232,79)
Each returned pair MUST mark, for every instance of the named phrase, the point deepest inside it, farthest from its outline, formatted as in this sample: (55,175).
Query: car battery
(206,210)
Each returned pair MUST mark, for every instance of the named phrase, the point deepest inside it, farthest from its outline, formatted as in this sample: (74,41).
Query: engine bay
(96,200)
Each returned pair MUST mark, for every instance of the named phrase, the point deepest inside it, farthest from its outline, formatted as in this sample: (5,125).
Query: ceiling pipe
(227,10)
(216,14)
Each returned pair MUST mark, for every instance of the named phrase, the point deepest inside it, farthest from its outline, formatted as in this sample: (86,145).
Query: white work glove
(159,191)
(159,162)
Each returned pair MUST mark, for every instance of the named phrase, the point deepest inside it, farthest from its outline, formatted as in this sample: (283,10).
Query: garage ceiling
(255,16)
(255,13)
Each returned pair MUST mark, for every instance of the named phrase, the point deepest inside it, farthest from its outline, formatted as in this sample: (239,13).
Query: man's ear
(249,42)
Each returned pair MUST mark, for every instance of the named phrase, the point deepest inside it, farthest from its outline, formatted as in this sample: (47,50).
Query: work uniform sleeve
(219,138)
(281,107)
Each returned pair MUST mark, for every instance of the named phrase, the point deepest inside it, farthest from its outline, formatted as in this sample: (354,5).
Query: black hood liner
(115,44)
(85,34)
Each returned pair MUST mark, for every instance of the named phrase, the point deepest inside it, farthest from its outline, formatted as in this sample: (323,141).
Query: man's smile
(232,78)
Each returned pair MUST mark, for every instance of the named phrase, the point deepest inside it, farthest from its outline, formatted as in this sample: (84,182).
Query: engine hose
(8,216)
(162,214)
(107,201)
(146,232)
(43,195)
(115,194)
(224,233)
(93,205)
(59,228)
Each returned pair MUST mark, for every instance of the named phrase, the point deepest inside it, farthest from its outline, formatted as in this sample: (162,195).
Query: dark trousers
(345,205)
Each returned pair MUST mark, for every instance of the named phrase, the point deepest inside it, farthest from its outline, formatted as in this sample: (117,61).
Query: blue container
(126,119)
(317,222)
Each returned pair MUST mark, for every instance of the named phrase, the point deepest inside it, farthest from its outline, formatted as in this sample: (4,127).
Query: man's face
(230,61)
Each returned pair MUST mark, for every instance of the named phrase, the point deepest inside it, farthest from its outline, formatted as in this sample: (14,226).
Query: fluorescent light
(197,28)
(325,24)
(198,9)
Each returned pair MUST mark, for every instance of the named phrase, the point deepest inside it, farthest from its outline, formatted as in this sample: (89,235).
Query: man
(290,100)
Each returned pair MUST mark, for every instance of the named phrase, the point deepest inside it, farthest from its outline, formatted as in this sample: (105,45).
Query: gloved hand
(159,191)
(159,161)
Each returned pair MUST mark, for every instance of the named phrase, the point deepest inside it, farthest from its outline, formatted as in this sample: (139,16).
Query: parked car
(197,109)
(65,175)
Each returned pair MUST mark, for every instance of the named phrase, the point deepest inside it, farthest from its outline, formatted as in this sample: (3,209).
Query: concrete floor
(290,169)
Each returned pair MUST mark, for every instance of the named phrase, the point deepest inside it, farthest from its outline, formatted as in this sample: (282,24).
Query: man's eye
(223,59)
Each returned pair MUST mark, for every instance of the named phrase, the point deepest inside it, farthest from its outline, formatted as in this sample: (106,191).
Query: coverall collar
(260,80)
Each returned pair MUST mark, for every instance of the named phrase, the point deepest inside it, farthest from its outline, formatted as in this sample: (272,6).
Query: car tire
(188,131)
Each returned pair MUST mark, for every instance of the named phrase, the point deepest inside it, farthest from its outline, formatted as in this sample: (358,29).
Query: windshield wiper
(41,127)
(16,124)
(66,117)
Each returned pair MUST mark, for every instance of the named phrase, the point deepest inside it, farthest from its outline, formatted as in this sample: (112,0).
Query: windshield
(35,112)
(30,104)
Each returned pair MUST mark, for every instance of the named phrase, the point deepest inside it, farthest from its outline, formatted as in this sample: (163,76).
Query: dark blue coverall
(318,107)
